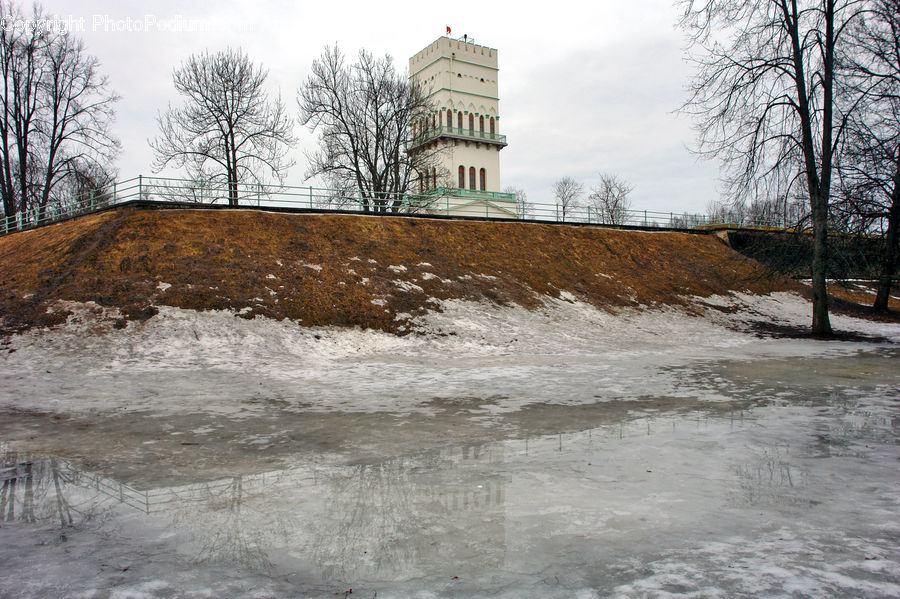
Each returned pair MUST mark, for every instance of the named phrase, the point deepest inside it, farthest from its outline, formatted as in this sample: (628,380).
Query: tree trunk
(821,324)
(234,174)
(232,193)
(41,213)
(889,258)
(6,178)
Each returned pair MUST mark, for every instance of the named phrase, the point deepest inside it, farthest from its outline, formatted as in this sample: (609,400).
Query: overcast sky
(585,86)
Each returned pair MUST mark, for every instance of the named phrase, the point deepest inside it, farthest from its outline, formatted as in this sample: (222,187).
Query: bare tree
(567,192)
(364,114)
(56,112)
(870,164)
(20,51)
(79,111)
(83,188)
(610,199)
(228,131)
(781,212)
(764,99)
(524,208)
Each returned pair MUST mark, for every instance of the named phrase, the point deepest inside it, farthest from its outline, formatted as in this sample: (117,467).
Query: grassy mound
(349,270)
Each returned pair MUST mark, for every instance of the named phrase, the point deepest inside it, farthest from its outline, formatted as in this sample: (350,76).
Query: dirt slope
(348,270)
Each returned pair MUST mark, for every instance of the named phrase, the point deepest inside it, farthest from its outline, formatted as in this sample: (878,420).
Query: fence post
(140,188)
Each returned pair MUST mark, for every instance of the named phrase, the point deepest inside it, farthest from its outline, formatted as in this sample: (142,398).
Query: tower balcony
(471,194)
(457,133)
(453,201)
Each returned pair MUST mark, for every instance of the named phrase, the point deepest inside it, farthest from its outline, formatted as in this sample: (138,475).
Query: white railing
(442,201)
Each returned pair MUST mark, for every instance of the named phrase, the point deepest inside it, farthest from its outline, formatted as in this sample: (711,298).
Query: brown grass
(264,263)
(856,299)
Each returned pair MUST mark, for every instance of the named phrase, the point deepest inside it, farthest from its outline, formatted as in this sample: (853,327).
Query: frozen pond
(771,470)
(789,487)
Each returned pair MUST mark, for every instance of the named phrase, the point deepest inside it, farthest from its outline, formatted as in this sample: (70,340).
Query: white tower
(464,128)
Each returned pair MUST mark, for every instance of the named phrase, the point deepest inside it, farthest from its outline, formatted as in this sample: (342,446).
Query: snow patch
(511,352)
(407,287)
(86,317)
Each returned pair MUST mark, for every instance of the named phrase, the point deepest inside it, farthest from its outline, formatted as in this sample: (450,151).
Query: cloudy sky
(584,86)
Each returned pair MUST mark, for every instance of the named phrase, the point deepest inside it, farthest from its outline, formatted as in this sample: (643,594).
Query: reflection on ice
(633,499)
(772,478)
(378,520)
(467,508)
(407,515)
(40,489)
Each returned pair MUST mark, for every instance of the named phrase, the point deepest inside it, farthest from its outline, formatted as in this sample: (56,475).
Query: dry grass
(856,299)
(337,269)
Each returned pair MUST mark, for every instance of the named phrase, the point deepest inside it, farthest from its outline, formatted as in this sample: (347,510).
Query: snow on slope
(699,508)
(214,360)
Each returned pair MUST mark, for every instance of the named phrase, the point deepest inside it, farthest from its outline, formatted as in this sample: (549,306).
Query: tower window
(449,118)
(471,122)
(459,119)
(472,178)
(492,125)
(481,124)
(483,179)
(462,177)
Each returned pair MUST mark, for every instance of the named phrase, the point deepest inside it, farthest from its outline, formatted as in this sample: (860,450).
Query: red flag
(448,29)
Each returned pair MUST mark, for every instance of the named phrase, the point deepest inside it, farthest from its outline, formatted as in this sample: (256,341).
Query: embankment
(346,270)
(790,253)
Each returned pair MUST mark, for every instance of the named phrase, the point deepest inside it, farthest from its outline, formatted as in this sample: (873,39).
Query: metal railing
(458,132)
(645,218)
(446,201)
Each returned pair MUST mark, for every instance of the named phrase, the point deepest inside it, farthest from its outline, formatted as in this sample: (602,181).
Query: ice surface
(495,452)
